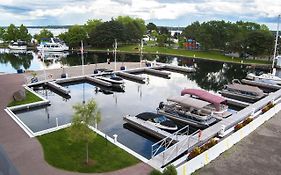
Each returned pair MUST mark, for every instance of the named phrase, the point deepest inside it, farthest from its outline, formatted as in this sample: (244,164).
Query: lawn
(60,152)
(209,55)
(30,98)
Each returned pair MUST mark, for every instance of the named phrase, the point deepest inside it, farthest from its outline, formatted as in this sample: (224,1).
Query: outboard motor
(161,105)
(96,71)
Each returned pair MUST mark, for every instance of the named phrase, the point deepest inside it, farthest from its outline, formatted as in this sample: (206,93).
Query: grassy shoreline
(30,98)
(61,153)
(204,55)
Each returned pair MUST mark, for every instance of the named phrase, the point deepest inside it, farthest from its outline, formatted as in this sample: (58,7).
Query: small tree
(84,115)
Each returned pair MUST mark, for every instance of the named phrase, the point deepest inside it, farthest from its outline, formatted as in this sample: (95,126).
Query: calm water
(137,98)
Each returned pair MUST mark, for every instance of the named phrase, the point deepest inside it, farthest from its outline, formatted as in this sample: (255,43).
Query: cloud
(182,12)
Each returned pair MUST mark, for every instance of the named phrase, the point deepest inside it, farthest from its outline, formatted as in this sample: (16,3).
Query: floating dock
(150,129)
(98,81)
(131,77)
(237,103)
(58,87)
(157,73)
(179,68)
(261,84)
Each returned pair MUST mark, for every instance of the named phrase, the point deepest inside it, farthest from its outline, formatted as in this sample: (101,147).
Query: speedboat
(19,45)
(157,120)
(218,104)
(242,92)
(111,78)
(190,110)
(265,76)
(52,45)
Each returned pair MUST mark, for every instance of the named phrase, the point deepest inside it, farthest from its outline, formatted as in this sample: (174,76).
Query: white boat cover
(187,101)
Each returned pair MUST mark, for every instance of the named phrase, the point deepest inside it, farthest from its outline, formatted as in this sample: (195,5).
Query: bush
(155,172)
(194,153)
(238,126)
(247,121)
(212,142)
(170,170)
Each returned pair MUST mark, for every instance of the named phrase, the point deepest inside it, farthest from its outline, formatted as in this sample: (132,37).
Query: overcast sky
(161,12)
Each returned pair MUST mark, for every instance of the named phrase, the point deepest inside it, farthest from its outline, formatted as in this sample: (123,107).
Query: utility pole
(275,47)
(82,57)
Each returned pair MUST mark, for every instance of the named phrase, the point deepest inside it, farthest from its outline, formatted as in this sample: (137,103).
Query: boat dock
(237,103)
(157,73)
(131,77)
(261,84)
(98,81)
(58,87)
(179,68)
(150,129)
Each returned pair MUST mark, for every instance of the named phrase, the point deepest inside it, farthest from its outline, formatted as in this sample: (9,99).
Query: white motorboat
(269,76)
(52,45)
(111,78)
(19,45)
(157,120)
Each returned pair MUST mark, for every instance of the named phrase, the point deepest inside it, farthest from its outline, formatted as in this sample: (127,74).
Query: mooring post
(57,122)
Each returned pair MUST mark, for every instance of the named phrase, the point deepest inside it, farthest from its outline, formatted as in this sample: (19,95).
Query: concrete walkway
(26,153)
(258,153)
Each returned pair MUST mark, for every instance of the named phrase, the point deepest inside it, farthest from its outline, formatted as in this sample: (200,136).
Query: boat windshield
(160,119)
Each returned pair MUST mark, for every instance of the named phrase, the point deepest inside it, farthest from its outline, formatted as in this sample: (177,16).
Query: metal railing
(167,141)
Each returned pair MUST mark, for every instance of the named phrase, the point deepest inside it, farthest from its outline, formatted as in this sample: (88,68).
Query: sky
(161,12)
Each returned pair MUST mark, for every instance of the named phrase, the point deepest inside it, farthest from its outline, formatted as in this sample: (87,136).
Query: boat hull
(17,47)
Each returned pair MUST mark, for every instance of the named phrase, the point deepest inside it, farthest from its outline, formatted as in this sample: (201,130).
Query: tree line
(242,37)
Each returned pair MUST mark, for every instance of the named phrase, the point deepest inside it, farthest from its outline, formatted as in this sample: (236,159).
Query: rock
(19,95)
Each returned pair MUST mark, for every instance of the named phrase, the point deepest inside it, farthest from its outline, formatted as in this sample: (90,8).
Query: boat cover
(187,101)
(206,96)
(245,88)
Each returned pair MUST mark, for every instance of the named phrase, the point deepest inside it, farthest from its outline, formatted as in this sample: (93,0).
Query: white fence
(212,153)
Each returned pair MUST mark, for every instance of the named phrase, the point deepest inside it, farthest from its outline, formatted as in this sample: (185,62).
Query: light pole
(115,49)
(82,56)
(141,47)
(43,55)
(275,46)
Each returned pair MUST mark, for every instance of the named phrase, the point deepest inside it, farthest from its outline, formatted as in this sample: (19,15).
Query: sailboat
(269,76)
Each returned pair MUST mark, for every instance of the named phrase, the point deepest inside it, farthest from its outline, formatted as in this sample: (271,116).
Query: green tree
(164,30)
(85,115)
(23,34)
(11,33)
(134,28)
(161,40)
(44,33)
(2,32)
(151,26)
(91,25)
(105,34)
(170,170)
(74,35)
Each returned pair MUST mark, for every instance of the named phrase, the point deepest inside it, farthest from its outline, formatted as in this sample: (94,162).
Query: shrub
(212,142)
(238,126)
(194,153)
(155,172)
(247,121)
(170,170)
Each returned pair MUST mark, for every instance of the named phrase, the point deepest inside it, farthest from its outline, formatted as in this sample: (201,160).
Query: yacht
(52,45)
(18,45)
(190,110)
(218,104)
(157,120)
(242,92)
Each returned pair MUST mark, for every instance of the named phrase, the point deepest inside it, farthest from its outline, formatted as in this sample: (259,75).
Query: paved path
(258,153)
(26,153)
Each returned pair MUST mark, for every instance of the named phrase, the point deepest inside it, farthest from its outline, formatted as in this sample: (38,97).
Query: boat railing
(167,141)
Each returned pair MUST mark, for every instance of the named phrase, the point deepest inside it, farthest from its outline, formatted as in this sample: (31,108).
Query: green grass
(30,98)
(207,55)
(60,152)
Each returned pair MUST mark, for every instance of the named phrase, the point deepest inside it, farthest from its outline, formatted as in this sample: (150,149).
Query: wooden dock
(58,87)
(131,77)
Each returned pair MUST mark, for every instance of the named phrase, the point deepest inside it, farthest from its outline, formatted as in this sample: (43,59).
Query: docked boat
(264,77)
(218,104)
(52,45)
(157,120)
(189,110)
(111,78)
(243,92)
(19,45)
